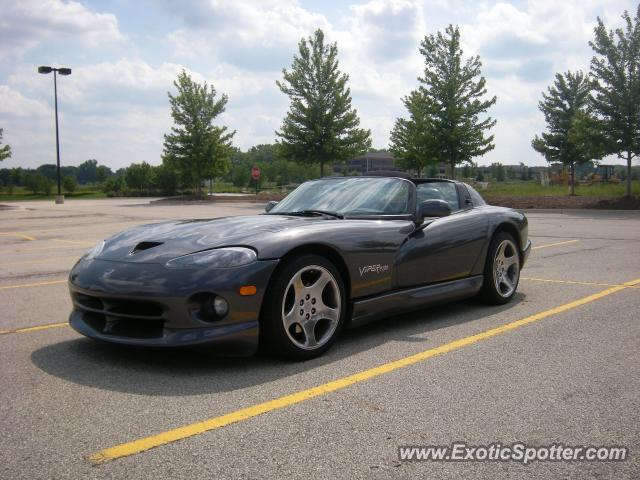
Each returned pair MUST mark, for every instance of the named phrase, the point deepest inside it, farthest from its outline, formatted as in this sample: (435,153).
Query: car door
(446,248)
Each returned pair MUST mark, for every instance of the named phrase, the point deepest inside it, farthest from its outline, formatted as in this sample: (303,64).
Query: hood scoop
(144,246)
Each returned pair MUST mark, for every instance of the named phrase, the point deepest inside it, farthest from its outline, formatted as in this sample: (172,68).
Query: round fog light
(221,306)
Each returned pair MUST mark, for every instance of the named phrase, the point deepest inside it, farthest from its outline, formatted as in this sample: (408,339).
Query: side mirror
(433,208)
(270,205)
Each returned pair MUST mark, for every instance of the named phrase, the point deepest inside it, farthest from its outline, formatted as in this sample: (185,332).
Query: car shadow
(184,372)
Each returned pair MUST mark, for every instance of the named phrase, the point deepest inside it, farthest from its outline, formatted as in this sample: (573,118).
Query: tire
(501,271)
(305,309)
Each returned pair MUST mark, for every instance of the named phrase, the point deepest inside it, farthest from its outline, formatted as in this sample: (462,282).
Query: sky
(125,56)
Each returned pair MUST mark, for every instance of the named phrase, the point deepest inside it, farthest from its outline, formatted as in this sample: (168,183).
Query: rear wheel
(502,270)
(305,309)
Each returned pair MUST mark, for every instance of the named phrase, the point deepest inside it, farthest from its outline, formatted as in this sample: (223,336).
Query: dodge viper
(336,251)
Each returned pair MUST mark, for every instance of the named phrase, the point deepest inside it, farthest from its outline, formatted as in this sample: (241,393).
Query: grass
(495,189)
(21,194)
(534,189)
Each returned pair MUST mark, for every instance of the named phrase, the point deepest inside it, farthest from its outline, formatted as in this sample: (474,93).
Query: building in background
(369,162)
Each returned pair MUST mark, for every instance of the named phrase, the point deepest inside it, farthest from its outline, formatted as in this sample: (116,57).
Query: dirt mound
(565,202)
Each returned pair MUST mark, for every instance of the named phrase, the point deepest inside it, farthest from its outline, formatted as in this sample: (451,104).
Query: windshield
(350,196)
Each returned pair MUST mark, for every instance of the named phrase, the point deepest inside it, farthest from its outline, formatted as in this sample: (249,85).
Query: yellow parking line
(35,284)
(557,244)
(138,446)
(577,282)
(35,329)
(18,234)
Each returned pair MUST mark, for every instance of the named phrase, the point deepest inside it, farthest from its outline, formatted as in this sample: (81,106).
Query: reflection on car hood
(160,242)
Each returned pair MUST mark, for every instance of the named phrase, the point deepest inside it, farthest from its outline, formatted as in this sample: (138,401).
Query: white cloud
(253,34)
(26,23)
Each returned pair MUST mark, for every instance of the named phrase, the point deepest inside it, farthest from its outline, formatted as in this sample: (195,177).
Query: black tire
(308,326)
(497,274)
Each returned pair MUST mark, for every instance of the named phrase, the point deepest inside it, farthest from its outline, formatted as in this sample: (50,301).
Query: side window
(439,191)
(475,196)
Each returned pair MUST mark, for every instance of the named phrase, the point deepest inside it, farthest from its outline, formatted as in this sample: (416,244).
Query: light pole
(61,71)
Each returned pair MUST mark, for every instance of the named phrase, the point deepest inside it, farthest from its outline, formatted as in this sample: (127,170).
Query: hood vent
(144,246)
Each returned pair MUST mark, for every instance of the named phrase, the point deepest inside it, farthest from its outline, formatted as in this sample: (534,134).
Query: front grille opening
(119,307)
(133,307)
(93,303)
(124,327)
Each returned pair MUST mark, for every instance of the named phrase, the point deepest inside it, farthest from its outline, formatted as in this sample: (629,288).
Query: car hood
(160,242)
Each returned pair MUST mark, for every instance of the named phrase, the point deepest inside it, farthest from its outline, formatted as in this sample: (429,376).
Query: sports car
(336,251)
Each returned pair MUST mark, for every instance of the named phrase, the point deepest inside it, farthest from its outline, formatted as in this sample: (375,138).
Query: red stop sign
(255,173)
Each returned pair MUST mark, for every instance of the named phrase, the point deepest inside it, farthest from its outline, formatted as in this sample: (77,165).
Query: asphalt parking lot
(560,364)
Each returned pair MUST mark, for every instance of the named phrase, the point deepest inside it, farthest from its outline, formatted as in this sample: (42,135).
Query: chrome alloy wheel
(506,268)
(311,307)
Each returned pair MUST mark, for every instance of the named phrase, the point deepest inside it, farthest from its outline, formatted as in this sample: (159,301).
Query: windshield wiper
(313,212)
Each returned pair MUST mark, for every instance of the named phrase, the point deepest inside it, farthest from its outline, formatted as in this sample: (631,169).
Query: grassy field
(495,189)
(534,189)
(21,194)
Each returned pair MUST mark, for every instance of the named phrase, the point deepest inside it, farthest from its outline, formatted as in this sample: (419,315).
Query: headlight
(95,251)
(216,258)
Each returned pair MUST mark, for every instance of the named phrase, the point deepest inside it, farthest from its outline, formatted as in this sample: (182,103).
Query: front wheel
(502,270)
(305,308)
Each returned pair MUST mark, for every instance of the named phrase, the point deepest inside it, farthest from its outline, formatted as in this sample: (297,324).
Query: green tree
(69,184)
(453,93)
(498,172)
(571,136)
(114,186)
(102,173)
(88,171)
(196,148)
(321,125)
(412,143)
(616,69)
(5,152)
(138,176)
(165,180)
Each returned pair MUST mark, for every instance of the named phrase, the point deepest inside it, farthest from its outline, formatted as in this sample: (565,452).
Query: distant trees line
(145,179)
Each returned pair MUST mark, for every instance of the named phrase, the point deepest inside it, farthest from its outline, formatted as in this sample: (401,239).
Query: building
(369,162)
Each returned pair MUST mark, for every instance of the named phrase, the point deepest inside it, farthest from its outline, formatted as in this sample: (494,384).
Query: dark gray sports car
(336,251)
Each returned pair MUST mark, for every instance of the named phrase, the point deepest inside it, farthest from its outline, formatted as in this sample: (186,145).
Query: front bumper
(153,306)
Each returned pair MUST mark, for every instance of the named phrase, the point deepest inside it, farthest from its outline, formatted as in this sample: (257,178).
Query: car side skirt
(402,301)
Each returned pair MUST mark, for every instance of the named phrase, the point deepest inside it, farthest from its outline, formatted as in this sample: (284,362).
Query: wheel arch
(512,230)
(323,250)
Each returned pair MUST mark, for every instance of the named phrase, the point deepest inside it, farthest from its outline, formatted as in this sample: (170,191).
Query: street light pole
(62,71)
(55,96)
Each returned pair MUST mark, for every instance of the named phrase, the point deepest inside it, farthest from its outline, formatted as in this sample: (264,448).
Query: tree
(571,137)
(165,180)
(196,148)
(5,152)
(616,70)
(453,97)
(102,173)
(114,186)
(69,184)
(411,141)
(321,124)
(497,172)
(88,171)
(138,176)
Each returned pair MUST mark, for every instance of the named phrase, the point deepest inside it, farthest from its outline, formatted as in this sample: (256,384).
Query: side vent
(144,246)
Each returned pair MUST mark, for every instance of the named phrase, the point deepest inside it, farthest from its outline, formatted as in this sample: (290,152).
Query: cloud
(27,23)
(253,34)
